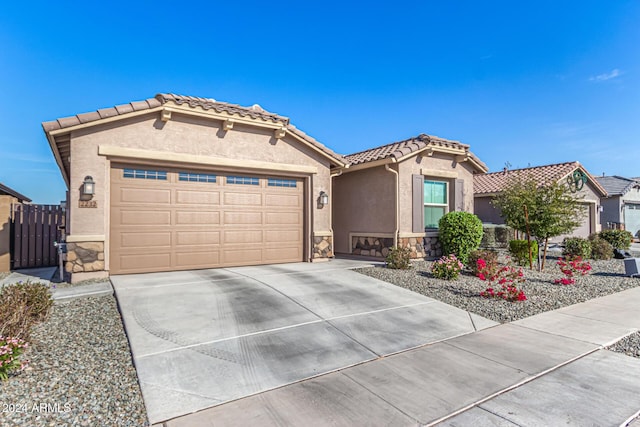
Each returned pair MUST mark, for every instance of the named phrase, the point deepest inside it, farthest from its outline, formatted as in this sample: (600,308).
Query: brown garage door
(165,219)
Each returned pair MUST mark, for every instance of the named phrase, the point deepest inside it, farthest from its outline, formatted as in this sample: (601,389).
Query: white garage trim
(147,156)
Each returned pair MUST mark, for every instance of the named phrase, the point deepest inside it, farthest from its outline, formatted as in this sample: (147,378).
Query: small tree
(553,209)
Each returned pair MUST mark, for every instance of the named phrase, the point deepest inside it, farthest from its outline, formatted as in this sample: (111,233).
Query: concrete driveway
(206,337)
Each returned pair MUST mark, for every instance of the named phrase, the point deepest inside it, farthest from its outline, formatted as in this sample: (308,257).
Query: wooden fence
(34,229)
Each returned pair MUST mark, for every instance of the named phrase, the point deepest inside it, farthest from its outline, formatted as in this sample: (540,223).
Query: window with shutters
(436,202)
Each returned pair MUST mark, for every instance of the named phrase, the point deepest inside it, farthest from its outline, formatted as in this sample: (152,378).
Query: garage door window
(196,177)
(246,180)
(145,174)
(277,182)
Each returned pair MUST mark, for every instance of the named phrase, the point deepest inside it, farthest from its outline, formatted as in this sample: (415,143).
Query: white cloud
(606,76)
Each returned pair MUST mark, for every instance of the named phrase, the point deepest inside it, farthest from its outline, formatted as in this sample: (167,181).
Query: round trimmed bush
(619,239)
(600,248)
(460,233)
(519,251)
(577,247)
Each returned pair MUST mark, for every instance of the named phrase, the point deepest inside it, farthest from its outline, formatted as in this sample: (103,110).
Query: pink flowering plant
(447,268)
(506,278)
(10,351)
(572,268)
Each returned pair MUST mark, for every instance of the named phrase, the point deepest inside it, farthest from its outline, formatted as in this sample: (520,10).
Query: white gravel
(80,374)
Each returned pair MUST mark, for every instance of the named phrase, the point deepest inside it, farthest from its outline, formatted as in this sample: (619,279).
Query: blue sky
(524,84)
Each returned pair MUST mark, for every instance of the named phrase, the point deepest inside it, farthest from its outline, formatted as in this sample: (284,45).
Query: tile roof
(495,182)
(6,190)
(161,99)
(617,185)
(401,149)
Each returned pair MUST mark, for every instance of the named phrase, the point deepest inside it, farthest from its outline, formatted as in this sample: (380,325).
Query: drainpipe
(395,234)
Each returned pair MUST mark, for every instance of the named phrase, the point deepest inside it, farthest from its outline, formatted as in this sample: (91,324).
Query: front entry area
(165,219)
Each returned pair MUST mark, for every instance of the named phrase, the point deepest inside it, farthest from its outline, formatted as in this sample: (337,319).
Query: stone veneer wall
(427,247)
(85,257)
(322,247)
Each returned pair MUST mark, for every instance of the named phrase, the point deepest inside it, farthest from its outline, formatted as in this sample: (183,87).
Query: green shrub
(619,239)
(490,257)
(519,251)
(576,247)
(600,248)
(447,268)
(21,306)
(459,234)
(399,258)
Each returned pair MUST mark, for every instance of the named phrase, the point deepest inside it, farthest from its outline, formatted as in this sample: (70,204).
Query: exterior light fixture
(88,186)
(324,198)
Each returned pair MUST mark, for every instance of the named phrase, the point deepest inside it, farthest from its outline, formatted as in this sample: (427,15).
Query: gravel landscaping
(629,345)
(607,277)
(80,373)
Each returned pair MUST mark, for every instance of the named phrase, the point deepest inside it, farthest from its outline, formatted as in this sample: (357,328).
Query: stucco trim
(439,173)
(372,234)
(74,238)
(368,165)
(322,233)
(162,156)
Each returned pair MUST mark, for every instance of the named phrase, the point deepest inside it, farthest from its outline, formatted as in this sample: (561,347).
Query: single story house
(395,194)
(8,199)
(177,182)
(487,186)
(621,208)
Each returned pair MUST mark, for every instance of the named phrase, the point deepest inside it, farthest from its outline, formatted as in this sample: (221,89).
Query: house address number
(87,204)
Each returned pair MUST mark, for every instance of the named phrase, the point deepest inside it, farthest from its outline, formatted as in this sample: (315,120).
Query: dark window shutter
(417,204)
(459,195)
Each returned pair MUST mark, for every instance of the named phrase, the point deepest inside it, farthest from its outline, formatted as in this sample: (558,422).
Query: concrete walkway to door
(206,337)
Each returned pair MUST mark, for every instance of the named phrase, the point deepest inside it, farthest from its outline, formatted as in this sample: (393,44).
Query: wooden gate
(34,229)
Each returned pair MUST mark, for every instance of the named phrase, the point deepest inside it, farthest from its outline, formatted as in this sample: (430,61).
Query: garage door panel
(242,256)
(172,224)
(145,217)
(197,218)
(188,197)
(283,200)
(288,218)
(242,199)
(190,238)
(132,262)
(197,259)
(282,236)
(242,218)
(242,236)
(291,253)
(142,240)
(145,195)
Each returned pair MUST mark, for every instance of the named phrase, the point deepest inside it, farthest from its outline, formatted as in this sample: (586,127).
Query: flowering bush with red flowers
(571,269)
(10,352)
(507,277)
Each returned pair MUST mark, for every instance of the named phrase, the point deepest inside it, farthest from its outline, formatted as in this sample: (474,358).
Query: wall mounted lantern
(88,186)
(324,198)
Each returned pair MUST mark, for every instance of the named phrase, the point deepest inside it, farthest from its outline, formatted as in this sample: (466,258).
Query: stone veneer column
(322,247)
(85,257)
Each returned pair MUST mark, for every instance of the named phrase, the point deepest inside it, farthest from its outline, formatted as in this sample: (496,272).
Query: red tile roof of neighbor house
(406,147)
(254,112)
(495,182)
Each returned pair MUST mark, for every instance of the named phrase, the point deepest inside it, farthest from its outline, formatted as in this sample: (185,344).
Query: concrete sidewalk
(548,369)
(45,275)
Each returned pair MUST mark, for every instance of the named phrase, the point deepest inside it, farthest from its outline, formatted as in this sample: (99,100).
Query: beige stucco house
(176,182)
(584,185)
(395,195)
(8,199)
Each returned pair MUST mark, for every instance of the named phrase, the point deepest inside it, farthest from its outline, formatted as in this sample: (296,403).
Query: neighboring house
(487,186)
(176,182)
(621,209)
(8,198)
(395,195)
